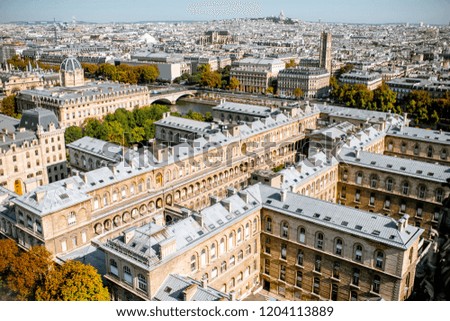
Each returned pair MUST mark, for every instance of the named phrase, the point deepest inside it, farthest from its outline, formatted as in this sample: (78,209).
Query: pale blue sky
(352,11)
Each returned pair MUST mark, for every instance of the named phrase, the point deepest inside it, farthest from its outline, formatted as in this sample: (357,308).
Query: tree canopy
(8,106)
(73,281)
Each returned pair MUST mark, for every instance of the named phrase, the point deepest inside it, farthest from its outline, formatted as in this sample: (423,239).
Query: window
(72,219)
(240,255)
(193,263)
(353,296)
(345,175)
(96,203)
(283,251)
(299,279)
(222,246)
(105,199)
(344,192)
(390,146)
(379,259)
(359,177)
(422,191)
(338,247)
(214,273)
(402,206)
(319,241)
(405,188)
(373,181)
(376,284)
(113,267)
(419,210)
(336,269)
(389,184)
(29,222)
(355,276)
(439,195)
(318,263)
(285,230)
(267,249)
(248,250)
(372,199)
(387,203)
(301,235)
(300,257)
(358,253)
(230,241)
(247,230)
(416,149)
(127,276)
(223,267)
(430,151)
(269,224)
(403,147)
(203,257)
(358,195)
(142,283)
(334,292)
(267,266)
(213,251)
(255,225)
(283,272)
(316,285)
(232,261)
(239,236)
(444,154)
(38,227)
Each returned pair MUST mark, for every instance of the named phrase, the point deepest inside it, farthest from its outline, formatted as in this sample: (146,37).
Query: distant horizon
(431,12)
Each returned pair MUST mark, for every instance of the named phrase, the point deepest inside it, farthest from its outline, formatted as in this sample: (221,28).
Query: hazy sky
(353,11)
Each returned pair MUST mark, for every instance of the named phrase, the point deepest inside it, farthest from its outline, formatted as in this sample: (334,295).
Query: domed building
(71,74)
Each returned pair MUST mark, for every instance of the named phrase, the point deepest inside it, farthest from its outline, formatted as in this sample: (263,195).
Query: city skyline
(350,11)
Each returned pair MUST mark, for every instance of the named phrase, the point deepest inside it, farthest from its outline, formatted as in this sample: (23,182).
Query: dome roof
(70,64)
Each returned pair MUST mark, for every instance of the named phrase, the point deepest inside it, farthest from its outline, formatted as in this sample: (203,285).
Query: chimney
(401,223)
(227,204)
(128,234)
(40,195)
(283,195)
(167,247)
(186,212)
(189,292)
(112,167)
(213,200)
(204,283)
(198,218)
(83,176)
(231,191)
(233,296)
(244,196)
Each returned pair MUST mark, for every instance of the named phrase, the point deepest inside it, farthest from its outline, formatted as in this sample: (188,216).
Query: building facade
(314,82)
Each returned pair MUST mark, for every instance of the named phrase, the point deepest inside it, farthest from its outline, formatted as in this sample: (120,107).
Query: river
(184,106)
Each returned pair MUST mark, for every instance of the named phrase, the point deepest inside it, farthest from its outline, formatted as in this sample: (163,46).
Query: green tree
(93,128)
(149,129)
(194,115)
(28,272)
(72,134)
(114,132)
(108,71)
(73,281)
(269,90)
(9,106)
(234,83)
(417,103)
(211,79)
(298,92)
(344,69)
(384,98)
(209,117)
(136,135)
(90,69)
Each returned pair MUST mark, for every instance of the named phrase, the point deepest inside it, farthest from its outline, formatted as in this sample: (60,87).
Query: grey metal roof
(184,124)
(396,165)
(376,227)
(258,111)
(97,147)
(173,286)
(33,118)
(8,123)
(70,64)
(432,136)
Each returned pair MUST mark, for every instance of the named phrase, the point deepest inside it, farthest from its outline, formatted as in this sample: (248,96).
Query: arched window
(127,276)
(405,188)
(105,199)
(345,175)
(430,151)
(439,195)
(338,247)
(240,255)
(214,273)
(96,203)
(403,147)
(222,246)
(223,267)
(255,225)
(113,267)
(247,230)
(319,241)
(389,184)
(416,149)
(379,259)
(193,263)
(268,224)
(232,261)
(358,253)
(203,257)
(284,230)
(301,235)
(444,154)
(390,146)
(142,282)
(373,181)
(239,236)
(422,191)
(359,177)
(213,251)
(230,241)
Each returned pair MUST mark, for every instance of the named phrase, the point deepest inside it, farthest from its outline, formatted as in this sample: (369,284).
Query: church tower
(71,74)
(325,51)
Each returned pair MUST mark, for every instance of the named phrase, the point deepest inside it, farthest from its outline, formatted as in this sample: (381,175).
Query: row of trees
(421,107)
(123,73)
(33,275)
(8,106)
(22,64)
(127,127)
